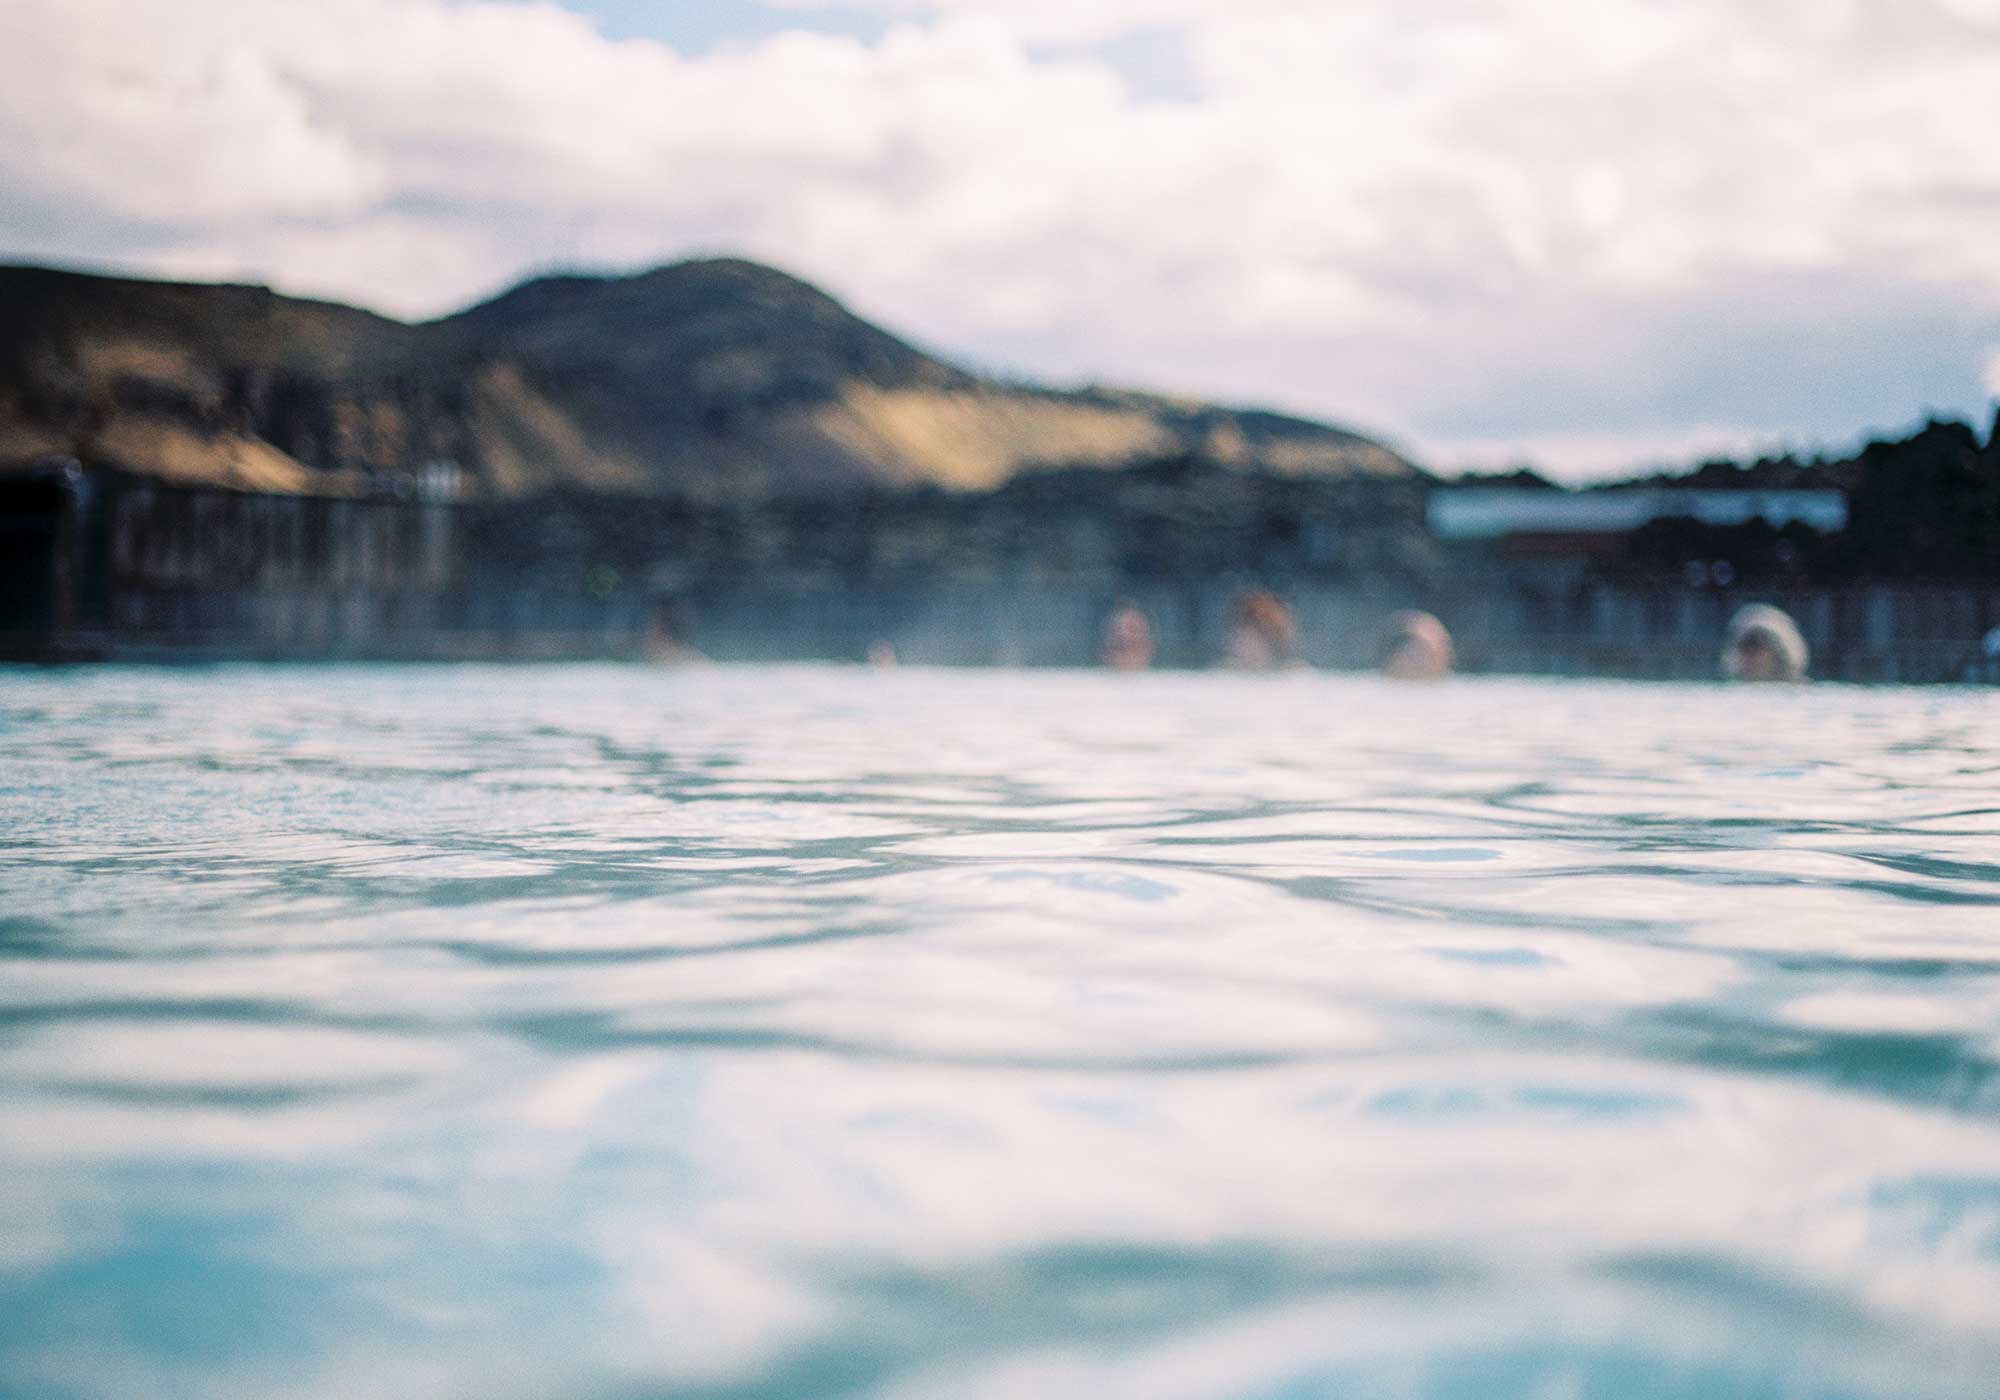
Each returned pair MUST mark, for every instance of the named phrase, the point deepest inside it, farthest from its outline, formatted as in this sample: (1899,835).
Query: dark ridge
(713,377)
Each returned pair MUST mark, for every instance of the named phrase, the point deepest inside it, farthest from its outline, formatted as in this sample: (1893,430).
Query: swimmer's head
(1128,639)
(1418,648)
(1261,632)
(1763,644)
(667,627)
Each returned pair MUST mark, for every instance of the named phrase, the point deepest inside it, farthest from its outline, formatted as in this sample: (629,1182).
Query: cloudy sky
(1590,233)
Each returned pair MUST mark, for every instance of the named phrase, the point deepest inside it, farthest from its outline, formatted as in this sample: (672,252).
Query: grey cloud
(1758,219)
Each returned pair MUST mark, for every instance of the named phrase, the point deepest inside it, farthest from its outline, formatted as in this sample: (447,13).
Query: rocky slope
(719,378)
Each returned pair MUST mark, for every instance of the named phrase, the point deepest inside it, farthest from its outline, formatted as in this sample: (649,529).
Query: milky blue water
(615,1032)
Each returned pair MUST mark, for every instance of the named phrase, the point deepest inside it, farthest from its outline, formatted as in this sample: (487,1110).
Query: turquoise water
(612,1032)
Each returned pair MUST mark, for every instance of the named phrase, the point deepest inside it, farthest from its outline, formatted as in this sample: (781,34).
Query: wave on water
(608,1031)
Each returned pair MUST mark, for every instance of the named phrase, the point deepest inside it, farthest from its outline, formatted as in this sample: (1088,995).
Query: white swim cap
(1773,628)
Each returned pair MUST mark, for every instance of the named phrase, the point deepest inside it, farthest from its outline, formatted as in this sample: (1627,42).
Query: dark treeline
(1920,508)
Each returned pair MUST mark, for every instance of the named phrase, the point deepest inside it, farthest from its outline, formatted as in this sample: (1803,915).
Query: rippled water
(612,1032)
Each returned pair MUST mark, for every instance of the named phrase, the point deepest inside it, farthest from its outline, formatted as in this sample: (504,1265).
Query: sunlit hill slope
(718,378)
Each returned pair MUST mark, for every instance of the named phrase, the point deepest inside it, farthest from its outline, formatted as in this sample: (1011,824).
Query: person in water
(1763,644)
(666,632)
(1418,648)
(1985,666)
(1128,639)
(1262,636)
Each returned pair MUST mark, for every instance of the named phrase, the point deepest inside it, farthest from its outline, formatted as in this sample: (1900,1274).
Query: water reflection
(618,1032)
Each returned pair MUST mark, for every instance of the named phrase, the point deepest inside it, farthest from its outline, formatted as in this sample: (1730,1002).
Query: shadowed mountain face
(717,378)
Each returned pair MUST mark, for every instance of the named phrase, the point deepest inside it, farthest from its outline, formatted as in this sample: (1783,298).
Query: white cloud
(1581,455)
(1060,20)
(1496,222)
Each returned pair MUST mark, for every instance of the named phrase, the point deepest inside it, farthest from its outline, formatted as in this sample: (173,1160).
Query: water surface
(607,1032)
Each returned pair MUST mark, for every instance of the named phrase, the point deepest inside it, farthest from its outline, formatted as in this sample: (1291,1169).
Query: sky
(1592,235)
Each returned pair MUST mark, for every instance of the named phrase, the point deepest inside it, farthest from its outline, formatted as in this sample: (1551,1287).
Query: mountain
(718,378)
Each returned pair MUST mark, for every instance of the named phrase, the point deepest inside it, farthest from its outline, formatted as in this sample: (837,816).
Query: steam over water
(607,1032)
